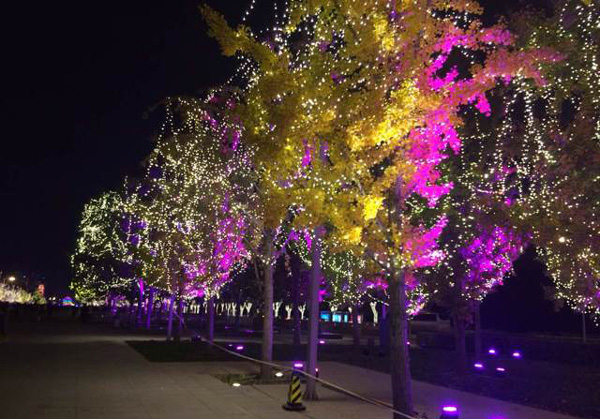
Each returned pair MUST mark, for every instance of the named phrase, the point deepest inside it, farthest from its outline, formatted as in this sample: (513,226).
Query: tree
(568,195)
(343,272)
(14,294)
(192,203)
(548,149)
(100,261)
(480,241)
(356,117)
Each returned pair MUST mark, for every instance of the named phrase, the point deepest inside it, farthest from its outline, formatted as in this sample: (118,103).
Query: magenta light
(321,342)
(449,412)
(500,369)
(492,351)
(239,348)
(450,409)
(298,365)
(516,354)
(478,365)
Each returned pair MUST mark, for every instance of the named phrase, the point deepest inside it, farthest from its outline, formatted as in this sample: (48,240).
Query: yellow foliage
(353,236)
(347,93)
(371,205)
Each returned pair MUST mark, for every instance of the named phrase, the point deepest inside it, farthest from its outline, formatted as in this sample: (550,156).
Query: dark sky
(78,79)
(81,75)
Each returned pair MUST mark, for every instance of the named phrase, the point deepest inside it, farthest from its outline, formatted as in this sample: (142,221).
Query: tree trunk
(130,321)
(355,328)
(297,322)
(478,338)
(238,311)
(384,332)
(313,320)
(583,327)
(179,328)
(170,320)
(149,308)
(399,355)
(267,333)
(460,344)
(160,310)
(211,319)
(140,308)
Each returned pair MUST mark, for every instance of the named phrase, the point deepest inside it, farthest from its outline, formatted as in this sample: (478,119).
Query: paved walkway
(64,370)
(429,398)
(74,373)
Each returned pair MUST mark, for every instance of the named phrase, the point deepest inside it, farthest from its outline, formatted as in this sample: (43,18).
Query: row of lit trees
(396,146)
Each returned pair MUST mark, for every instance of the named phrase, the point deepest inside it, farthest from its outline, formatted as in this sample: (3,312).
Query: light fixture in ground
(449,412)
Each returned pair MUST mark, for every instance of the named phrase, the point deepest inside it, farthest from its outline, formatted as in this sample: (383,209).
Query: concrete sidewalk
(72,371)
(429,398)
(79,373)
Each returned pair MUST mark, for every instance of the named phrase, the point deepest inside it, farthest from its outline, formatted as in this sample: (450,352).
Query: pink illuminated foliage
(488,258)
(439,131)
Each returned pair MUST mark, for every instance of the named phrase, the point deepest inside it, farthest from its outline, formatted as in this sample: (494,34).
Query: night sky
(79,78)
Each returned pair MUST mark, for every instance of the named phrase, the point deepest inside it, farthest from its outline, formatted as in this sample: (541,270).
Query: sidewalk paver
(429,398)
(82,372)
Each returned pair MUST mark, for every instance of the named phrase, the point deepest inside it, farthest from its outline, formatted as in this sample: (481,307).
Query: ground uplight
(449,412)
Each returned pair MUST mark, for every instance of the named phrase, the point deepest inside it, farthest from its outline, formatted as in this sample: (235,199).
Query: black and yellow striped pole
(294,398)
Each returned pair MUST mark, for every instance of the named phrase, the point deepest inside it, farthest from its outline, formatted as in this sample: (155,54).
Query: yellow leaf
(371,206)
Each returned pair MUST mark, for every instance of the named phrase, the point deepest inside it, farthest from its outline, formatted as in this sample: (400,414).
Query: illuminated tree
(100,262)
(568,197)
(14,294)
(479,256)
(274,203)
(547,146)
(344,283)
(480,241)
(352,122)
(192,203)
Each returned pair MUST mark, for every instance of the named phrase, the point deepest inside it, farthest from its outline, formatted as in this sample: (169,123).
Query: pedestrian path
(71,371)
(75,373)
(429,398)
